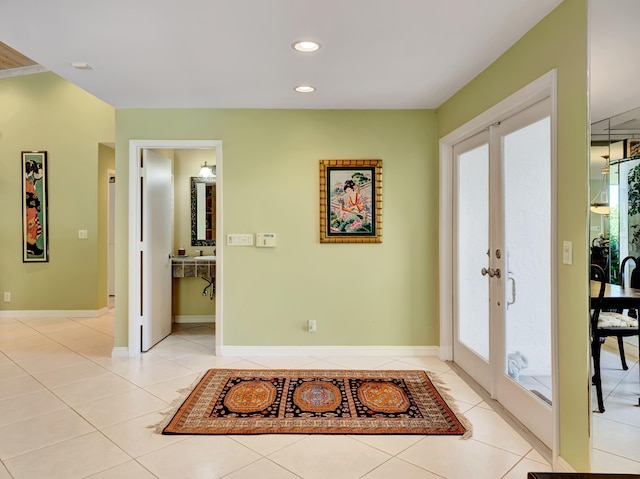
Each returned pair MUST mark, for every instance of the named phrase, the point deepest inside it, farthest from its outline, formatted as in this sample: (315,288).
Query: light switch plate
(83,234)
(237,239)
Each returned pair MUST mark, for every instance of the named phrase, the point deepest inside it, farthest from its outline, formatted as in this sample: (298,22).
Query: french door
(502,264)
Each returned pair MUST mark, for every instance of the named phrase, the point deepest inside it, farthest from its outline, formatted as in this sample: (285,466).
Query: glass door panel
(473,244)
(527,205)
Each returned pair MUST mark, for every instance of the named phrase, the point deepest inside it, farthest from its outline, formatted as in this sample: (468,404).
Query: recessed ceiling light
(305,89)
(306,46)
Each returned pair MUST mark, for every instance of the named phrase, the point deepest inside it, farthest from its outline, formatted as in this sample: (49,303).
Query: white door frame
(135,148)
(543,87)
(111,213)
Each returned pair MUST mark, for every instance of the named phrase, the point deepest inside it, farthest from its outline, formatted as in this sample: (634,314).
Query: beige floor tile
(4,474)
(320,456)
(199,457)
(525,466)
(30,405)
(119,408)
(395,468)
(621,409)
(391,444)
(605,462)
(104,324)
(93,388)
(33,348)
(616,438)
(430,363)
(34,433)
(174,389)
(459,389)
(490,428)
(47,325)
(153,372)
(442,456)
(281,362)
(358,362)
(75,458)
(69,374)
(202,362)
(18,386)
(139,436)
(128,470)
(264,469)
(536,456)
(265,444)
(178,349)
(51,361)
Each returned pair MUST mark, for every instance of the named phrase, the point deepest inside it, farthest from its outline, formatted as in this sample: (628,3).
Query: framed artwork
(632,148)
(203,211)
(35,237)
(351,201)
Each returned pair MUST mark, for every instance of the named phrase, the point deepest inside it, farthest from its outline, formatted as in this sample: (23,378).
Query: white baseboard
(329,351)
(560,465)
(120,352)
(194,318)
(58,313)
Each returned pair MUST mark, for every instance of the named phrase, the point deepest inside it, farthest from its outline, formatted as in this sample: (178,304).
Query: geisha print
(351,201)
(33,173)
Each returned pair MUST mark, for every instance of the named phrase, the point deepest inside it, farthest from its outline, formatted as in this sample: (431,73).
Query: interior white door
(157,241)
(502,264)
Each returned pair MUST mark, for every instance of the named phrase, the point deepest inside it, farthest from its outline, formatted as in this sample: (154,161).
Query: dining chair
(603,325)
(632,282)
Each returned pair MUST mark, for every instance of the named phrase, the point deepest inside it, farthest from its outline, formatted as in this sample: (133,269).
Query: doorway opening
(485,261)
(143,250)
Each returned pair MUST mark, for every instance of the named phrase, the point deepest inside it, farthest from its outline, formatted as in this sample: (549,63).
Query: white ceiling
(237,53)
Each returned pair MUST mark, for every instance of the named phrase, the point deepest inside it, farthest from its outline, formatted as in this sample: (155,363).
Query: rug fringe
(451,402)
(173,407)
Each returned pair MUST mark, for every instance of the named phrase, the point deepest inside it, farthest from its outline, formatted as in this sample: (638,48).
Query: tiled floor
(616,431)
(68,410)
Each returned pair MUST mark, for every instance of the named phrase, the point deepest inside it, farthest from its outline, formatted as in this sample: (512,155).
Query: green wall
(372,294)
(45,112)
(559,41)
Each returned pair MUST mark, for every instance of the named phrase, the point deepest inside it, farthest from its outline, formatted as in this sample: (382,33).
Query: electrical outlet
(311,326)
(7,296)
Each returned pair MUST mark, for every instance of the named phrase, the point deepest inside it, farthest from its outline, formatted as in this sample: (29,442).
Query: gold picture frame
(350,201)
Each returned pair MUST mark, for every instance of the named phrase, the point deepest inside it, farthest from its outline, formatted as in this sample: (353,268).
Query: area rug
(239,401)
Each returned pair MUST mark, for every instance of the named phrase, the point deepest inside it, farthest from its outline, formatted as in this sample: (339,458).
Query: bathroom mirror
(203,211)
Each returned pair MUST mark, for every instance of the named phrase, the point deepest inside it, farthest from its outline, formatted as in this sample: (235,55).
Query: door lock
(491,272)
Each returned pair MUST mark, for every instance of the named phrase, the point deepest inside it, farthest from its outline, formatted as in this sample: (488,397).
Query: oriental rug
(238,401)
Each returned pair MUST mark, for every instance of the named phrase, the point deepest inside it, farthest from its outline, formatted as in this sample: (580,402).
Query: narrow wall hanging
(35,237)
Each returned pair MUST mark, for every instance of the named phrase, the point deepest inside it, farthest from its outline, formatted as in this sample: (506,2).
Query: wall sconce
(207,171)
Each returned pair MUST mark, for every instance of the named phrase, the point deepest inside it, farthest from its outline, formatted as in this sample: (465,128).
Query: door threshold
(516,425)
